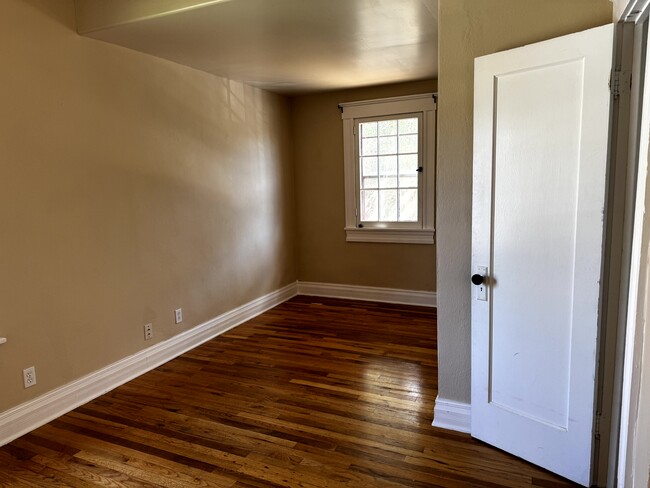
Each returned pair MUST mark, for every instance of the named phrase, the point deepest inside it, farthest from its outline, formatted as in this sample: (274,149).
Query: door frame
(616,264)
(629,235)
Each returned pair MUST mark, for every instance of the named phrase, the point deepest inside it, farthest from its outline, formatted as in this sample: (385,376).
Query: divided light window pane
(388,165)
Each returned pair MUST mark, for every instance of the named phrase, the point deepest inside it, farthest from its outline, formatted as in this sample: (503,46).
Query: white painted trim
(384,106)
(396,236)
(371,293)
(28,416)
(452,415)
(37,412)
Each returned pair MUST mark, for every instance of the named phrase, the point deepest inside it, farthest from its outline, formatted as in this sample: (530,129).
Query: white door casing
(541,125)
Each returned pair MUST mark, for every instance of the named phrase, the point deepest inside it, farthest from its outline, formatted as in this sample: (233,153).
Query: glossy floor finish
(314,393)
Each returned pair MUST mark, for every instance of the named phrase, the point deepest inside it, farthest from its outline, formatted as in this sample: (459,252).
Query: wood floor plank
(110,452)
(314,393)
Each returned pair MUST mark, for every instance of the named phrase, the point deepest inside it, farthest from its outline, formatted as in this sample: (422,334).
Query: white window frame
(351,114)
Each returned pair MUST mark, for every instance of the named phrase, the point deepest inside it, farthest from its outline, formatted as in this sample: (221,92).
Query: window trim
(386,107)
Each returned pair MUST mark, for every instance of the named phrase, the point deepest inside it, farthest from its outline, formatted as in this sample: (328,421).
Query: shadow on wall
(131,185)
(62,13)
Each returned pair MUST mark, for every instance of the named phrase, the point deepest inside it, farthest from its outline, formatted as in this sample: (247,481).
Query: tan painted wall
(619,7)
(471,28)
(129,186)
(323,253)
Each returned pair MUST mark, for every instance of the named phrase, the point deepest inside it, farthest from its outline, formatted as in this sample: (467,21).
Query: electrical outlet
(179,315)
(29,376)
(148,332)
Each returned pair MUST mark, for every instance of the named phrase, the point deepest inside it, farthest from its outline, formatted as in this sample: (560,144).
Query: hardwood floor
(314,393)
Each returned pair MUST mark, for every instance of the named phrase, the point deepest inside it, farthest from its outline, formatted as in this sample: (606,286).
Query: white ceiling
(286,46)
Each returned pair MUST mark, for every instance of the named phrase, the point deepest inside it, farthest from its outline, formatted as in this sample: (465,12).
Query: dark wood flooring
(314,393)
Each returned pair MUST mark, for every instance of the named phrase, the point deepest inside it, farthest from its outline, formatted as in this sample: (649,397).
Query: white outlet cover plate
(29,377)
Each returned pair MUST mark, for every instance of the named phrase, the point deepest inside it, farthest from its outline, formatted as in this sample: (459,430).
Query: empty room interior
(238,237)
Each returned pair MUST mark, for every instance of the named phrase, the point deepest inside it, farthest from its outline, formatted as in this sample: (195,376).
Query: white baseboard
(39,411)
(375,294)
(451,415)
(28,416)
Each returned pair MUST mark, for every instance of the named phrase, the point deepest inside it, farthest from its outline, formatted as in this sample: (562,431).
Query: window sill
(394,236)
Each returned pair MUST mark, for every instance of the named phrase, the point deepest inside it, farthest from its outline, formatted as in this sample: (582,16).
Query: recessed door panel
(533,244)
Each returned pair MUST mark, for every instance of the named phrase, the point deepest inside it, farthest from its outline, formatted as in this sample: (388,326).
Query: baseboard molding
(451,415)
(375,294)
(28,416)
(35,413)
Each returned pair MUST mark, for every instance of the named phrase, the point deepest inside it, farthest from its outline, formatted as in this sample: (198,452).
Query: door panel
(534,235)
(540,153)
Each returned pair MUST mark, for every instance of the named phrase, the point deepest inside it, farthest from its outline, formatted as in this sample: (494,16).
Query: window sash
(393,224)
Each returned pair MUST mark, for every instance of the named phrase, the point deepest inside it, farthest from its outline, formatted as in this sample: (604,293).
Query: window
(389,157)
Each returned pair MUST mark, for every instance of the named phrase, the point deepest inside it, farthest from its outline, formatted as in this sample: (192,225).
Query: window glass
(388,162)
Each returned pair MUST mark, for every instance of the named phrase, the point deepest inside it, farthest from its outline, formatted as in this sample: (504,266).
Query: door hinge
(620,82)
(597,426)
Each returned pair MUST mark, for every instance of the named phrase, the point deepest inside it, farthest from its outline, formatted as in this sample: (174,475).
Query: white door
(541,118)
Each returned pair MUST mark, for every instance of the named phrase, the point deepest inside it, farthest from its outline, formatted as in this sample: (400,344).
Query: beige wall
(129,186)
(471,28)
(323,253)
(619,7)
